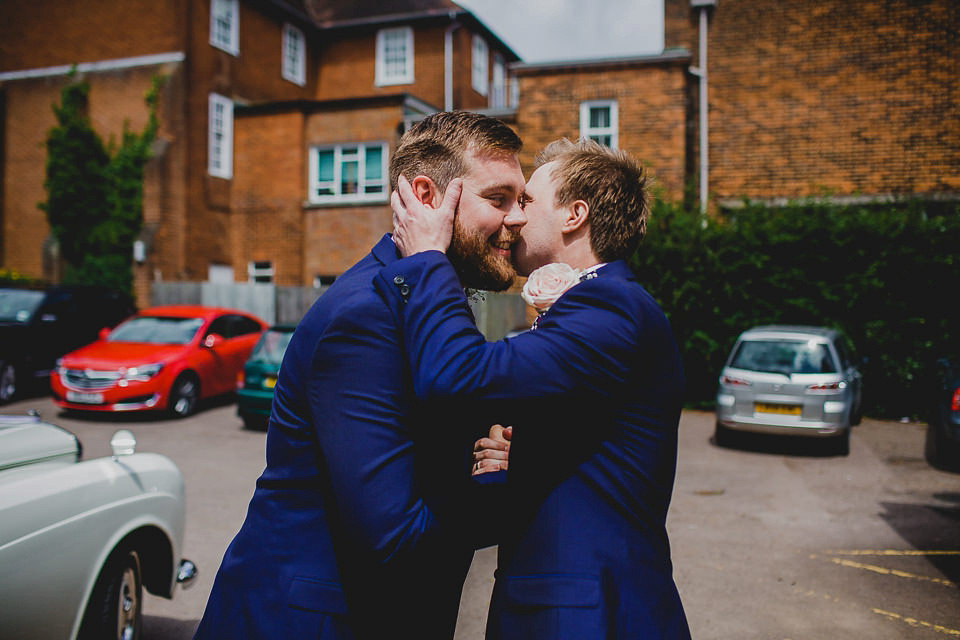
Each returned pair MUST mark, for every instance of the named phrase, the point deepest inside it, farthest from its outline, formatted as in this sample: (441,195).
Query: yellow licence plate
(269,383)
(781,409)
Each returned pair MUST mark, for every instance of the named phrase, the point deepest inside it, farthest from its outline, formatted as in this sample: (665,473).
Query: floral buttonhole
(546,284)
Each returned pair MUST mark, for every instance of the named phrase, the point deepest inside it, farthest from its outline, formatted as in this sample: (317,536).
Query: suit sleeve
(582,345)
(360,410)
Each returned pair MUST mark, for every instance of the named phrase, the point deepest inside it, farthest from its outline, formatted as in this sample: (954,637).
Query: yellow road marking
(893,572)
(893,552)
(913,622)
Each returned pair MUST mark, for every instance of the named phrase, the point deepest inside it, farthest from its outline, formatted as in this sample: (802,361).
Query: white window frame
(294,53)
(339,157)
(480,65)
(260,271)
(387,74)
(220,137)
(498,95)
(586,131)
(227,11)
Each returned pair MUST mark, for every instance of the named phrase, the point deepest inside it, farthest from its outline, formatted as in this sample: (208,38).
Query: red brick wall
(348,68)
(269,188)
(44,33)
(115,98)
(820,97)
(651,104)
(336,237)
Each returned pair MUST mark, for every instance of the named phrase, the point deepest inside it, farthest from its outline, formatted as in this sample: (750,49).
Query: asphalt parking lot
(775,539)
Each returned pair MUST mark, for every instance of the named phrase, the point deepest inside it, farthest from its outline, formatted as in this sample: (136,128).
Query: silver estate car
(796,380)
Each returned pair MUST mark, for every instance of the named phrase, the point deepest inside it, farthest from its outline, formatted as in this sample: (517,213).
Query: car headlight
(142,373)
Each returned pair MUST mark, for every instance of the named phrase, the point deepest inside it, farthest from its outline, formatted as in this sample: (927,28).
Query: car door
(239,335)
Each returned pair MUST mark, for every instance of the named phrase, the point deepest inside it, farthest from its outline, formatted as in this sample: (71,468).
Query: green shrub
(95,190)
(883,274)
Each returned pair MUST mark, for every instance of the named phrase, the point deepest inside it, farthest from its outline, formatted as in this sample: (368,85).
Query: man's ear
(426,191)
(578,214)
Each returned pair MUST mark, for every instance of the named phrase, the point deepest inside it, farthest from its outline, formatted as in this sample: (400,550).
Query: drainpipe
(448,64)
(701,72)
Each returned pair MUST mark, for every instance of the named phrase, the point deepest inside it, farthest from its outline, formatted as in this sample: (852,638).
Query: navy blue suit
(585,552)
(352,532)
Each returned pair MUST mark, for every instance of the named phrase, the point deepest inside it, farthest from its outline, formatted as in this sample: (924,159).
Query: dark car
(943,431)
(259,376)
(37,326)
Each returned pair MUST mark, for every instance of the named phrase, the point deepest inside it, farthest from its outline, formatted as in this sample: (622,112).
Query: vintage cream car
(80,539)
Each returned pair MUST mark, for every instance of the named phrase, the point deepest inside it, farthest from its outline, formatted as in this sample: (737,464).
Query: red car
(162,358)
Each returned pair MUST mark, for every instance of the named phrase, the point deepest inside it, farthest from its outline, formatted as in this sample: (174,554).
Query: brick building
(279,116)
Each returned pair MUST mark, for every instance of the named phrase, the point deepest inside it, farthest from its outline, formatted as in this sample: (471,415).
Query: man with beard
(357,528)
(584,552)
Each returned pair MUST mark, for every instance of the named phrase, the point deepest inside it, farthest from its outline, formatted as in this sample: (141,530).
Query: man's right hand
(493,452)
(418,226)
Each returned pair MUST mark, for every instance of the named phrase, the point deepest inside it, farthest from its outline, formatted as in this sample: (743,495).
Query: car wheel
(840,445)
(8,382)
(254,423)
(116,604)
(184,395)
(723,437)
(939,452)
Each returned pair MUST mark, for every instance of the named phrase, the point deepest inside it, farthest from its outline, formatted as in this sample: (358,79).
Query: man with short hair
(356,528)
(585,552)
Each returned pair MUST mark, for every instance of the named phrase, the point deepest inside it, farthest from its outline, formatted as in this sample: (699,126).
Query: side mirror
(212,340)
(104,333)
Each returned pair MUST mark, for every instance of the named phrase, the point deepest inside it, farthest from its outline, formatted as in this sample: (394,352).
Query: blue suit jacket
(583,555)
(352,532)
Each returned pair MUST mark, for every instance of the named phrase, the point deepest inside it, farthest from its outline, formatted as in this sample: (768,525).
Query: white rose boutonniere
(548,283)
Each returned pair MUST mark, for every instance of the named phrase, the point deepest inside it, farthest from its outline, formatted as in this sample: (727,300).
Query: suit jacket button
(397,279)
(404,290)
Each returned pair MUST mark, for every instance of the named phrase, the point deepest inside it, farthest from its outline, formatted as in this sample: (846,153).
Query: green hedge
(887,275)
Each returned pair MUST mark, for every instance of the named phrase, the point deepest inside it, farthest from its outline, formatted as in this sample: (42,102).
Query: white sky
(554,30)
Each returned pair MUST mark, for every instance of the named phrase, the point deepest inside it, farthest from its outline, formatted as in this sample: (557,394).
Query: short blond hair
(612,183)
(437,146)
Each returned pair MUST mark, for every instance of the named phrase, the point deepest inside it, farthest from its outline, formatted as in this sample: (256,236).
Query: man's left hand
(493,452)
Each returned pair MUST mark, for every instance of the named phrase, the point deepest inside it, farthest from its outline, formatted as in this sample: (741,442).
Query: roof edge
(668,56)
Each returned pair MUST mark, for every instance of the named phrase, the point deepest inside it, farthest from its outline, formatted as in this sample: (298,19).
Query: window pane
(599,117)
(325,166)
(373,170)
(349,174)
(604,140)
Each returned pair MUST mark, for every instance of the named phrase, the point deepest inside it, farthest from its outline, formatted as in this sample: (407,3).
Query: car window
(157,330)
(783,356)
(222,326)
(844,351)
(244,325)
(19,305)
(271,347)
(233,325)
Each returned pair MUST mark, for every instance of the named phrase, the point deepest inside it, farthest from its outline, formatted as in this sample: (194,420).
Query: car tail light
(240,380)
(830,386)
(736,382)
(955,401)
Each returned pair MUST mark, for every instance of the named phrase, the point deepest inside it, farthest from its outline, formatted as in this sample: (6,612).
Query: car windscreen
(271,347)
(157,330)
(783,356)
(19,305)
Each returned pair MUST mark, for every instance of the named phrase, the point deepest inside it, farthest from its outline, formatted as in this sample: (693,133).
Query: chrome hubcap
(128,605)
